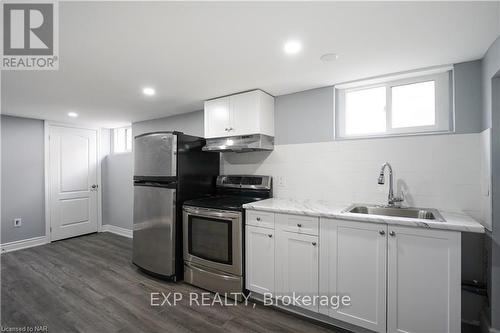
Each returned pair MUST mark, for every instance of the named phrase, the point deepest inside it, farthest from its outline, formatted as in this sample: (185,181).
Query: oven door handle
(206,212)
(217,274)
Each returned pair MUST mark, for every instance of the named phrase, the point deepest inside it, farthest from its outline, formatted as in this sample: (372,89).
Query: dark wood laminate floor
(88,284)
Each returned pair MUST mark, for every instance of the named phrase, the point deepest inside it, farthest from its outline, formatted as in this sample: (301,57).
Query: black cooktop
(222,202)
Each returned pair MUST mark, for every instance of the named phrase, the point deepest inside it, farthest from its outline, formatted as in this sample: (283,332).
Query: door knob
(94,187)
(314,243)
(270,236)
(258,218)
(299,225)
(382,232)
(392,233)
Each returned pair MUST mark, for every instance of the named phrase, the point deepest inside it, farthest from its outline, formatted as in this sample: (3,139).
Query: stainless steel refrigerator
(169,168)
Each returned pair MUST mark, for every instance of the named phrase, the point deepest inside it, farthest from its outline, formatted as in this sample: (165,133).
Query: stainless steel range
(213,229)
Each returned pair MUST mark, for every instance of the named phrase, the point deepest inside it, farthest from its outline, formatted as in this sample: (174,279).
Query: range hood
(240,144)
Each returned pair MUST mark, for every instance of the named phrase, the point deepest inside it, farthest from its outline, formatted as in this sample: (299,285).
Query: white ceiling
(194,51)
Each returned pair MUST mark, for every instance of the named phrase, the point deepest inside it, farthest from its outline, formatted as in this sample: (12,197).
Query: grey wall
(495,234)
(491,119)
(117,190)
(304,117)
(23,188)
(468,97)
(189,123)
(490,65)
(493,100)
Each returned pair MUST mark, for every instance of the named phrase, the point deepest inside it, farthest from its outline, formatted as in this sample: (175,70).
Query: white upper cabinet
(247,113)
(217,117)
(423,280)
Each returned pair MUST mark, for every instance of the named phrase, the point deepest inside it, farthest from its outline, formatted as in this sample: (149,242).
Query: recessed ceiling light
(148,91)
(292,47)
(329,57)
(72,114)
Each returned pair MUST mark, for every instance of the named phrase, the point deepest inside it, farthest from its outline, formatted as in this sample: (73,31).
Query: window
(122,140)
(366,111)
(407,104)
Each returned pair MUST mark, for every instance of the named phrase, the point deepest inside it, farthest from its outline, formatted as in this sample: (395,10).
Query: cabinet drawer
(297,223)
(260,219)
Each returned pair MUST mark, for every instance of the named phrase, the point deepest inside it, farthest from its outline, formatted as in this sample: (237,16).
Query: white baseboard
(23,244)
(116,230)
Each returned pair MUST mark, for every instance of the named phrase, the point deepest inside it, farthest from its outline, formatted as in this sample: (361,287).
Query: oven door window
(210,239)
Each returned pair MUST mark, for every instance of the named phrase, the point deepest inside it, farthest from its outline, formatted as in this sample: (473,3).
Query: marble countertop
(454,220)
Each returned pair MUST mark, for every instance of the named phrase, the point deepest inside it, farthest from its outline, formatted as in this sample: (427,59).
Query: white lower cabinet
(259,265)
(297,260)
(424,280)
(399,279)
(353,263)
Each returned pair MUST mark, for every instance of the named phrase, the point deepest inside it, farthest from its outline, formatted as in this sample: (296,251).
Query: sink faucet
(391,199)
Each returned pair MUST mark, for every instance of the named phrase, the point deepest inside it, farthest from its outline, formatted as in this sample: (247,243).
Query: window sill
(388,136)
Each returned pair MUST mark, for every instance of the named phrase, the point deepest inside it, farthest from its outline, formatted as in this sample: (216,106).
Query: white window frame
(443,78)
(128,145)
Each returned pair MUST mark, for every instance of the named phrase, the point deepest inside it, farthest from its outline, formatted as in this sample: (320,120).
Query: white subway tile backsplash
(442,171)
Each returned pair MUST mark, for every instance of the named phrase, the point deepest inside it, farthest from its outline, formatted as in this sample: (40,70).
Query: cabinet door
(423,280)
(353,263)
(297,266)
(217,117)
(259,259)
(245,113)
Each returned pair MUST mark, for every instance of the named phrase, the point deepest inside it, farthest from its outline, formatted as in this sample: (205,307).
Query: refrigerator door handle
(152,184)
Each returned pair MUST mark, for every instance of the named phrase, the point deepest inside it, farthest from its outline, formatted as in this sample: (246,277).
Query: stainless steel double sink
(406,212)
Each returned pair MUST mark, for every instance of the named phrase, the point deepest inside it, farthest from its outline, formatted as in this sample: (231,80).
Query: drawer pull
(382,232)
(299,225)
(270,236)
(314,243)
(392,233)
(258,218)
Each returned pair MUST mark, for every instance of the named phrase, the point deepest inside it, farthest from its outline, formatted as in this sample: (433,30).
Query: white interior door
(72,181)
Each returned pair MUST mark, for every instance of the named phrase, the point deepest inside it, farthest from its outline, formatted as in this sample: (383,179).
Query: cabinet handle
(299,225)
(270,236)
(231,129)
(382,232)
(226,129)
(392,233)
(314,243)
(258,218)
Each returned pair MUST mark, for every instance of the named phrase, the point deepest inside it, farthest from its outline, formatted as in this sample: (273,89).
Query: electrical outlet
(18,222)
